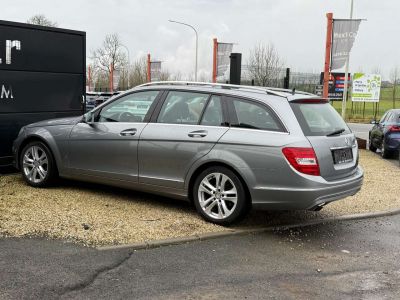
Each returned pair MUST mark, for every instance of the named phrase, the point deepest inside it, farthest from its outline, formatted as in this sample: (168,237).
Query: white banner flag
(344,34)
(155,70)
(224,50)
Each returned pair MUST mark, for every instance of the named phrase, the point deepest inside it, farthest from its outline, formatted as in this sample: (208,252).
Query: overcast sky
(297,28)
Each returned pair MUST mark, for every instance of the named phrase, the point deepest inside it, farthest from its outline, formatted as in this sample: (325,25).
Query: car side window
(383,118)
(394,118)
(213,115)
(130,108)
(182,108)
(257,116)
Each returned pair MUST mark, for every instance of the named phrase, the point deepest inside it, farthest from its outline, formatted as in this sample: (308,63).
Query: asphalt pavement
(360,130)
(340,260)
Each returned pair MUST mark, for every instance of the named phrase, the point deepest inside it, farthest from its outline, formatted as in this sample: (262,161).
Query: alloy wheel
(35,164)
(218,196)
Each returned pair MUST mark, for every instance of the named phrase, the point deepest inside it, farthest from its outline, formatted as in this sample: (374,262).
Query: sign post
(325,83)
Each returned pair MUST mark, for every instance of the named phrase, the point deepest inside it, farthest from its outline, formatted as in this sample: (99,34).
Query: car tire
(384,152)
(219,196)
(371,147)
(37,165)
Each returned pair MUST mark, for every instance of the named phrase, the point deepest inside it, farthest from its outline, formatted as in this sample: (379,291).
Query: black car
(385,134)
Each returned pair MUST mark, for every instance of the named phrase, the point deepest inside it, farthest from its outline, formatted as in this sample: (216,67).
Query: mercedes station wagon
(225,148)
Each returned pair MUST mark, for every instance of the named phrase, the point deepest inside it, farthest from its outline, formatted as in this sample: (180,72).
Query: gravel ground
(99,215)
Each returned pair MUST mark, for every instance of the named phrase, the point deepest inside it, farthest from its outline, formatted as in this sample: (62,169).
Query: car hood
(55,122)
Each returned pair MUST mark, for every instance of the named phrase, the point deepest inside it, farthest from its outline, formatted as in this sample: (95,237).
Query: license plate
(341,156)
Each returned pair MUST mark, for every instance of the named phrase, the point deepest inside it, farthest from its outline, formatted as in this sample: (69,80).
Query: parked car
(385,134)
(94,99)
(225,148)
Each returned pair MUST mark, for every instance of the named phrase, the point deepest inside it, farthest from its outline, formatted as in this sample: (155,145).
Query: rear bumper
(307,198)
(393,143)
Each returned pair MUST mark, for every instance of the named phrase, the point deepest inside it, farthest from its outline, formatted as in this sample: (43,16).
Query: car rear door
(185,128)
(107,147)
(334,144)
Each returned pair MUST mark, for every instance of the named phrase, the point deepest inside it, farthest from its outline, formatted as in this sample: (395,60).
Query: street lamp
(197,39)
(129,62)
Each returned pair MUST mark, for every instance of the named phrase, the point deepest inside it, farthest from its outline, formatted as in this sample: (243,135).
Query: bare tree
(264,64)
(138,71)
(110,55)
(41,20)
(394,76)
(165,75)
(376,70)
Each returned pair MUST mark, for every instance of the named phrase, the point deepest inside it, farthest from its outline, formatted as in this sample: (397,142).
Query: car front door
(107,147)
(187,128)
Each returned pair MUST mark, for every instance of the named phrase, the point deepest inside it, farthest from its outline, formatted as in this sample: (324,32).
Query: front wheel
(371,145)
(37,164)
(384,152)
(219,196)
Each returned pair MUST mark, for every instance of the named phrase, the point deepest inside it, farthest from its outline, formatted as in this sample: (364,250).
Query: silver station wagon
(226,148)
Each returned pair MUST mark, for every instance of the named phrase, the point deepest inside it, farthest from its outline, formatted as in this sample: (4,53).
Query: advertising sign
(319,90)
(223,52)
(344,34)
(336,85)
(366,87)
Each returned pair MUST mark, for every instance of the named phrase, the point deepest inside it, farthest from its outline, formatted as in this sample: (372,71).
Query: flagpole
(346,74)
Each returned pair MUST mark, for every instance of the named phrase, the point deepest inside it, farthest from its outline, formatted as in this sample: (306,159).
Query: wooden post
(327,65)
(148,68)
(215,49)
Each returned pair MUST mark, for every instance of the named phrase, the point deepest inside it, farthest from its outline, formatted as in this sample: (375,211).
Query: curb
(231,232)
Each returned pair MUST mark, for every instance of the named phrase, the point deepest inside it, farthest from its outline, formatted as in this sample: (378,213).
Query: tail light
(394,128)
(303,160)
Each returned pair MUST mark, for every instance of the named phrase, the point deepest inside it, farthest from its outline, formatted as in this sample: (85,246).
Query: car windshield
(319,119)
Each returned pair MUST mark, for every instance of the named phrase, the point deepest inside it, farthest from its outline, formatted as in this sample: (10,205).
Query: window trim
(234,118)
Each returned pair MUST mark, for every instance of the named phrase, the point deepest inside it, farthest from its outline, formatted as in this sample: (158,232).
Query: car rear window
(318,119)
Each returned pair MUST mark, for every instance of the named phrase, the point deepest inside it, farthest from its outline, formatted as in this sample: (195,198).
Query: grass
(365,112)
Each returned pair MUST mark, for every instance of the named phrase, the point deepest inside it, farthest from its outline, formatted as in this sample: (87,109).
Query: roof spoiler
(315,100)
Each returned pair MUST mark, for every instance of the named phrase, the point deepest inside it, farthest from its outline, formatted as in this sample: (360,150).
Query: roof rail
(268,90)
(290,91)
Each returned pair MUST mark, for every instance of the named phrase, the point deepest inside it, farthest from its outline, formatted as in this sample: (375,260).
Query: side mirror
(88,118)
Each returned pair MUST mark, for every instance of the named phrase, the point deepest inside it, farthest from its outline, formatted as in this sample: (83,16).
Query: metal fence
(276,78)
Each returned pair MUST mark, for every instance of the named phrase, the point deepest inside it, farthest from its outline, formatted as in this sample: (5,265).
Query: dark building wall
(42,76)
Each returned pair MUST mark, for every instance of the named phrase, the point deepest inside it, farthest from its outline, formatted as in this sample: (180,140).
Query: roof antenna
(294,91)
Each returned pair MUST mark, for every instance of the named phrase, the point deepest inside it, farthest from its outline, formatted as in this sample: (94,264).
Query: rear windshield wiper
(336,132)
(245,125)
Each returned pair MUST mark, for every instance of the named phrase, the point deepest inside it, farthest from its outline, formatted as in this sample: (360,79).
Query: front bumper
(16,147)
(306,198)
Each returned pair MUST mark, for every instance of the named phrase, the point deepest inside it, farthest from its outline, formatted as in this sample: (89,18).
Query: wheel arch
(30,139)
(209,164)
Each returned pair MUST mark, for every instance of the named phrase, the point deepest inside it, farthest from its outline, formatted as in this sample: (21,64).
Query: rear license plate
(341,156)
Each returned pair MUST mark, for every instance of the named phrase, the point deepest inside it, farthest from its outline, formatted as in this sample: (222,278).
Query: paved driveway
(345,260)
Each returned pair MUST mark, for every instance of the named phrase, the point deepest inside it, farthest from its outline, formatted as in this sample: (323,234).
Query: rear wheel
(37,164)
(219,196)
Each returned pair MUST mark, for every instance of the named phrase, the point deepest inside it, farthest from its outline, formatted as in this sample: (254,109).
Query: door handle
(128,132)
(198,133)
